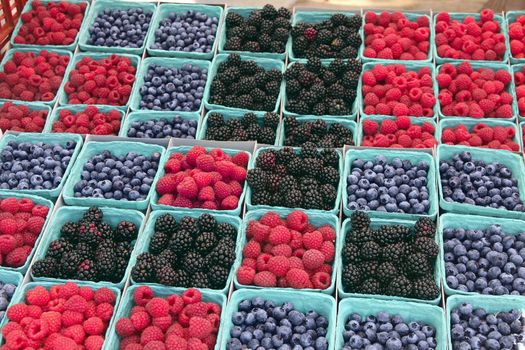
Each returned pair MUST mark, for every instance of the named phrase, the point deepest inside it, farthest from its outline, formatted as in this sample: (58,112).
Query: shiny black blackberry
(207,223)
(47,267)
(167,276)
(159,241)
(205,242)
(126,231)
(193,262)
(189,224)
(181,242)
(217,277)
(58,247)
(93,215)
(86,271)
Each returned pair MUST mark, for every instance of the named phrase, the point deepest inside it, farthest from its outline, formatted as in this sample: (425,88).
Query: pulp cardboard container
(411,16)
(376,223)
(315,219)
(144,241)
(117,148)
(411,66)
(347,124)
(33,106)
(144,116)
(415,157)
(471,122)
(124,310)
(511,17)
(379,119)
(510,227)
(477,65)
(230,114)
(66,214)
(55,115)
(71,47)
(36,50)
(512,161)
(513,70)
(352,115)
(251,165)
(324,305)
(184,149)
(136,97)
(491,304)
(21,297)
(135,61)
(223,37)
(60,139)
(98,7)
(460,16)
(266,63)
(313,17)
(433,316)
(165,9)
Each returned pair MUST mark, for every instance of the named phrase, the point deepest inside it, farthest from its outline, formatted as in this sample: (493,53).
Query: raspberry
(199,328)
(104,295)
(262,262)
(321,280)
(475,141)
(278,265)
(500,134)
(245,275)
(76,303)
(297,278)
(370,127)
(271,219)
(403,122)
(10,205)
(191,296)
(142,294)
(265,279)
(313,240)
(388,126)
(188,188)
(241,159)
(448,136)
(140,320)
(279,235)
(282,250)
(328,250)
(251,250)
(18,256)
(193,153)
(486,134)
(368,78)
(94,342)
(8,227)
(150,334)
(157,307)
(312,259)
(17,312)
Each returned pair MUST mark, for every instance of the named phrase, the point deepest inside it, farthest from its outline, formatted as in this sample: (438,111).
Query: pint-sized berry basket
(514,69)
(99,7)
(490,303)
(223,37)
(143,116)
(510,227)
(113,339)
(9,57)
(415,158)
(429,104)
(314,17)
(28,7)
(512,17)
(430,315)
(66,214)
(266,63)
(322,304)
(185,150)
(375,224)
(54,139)
(458,16)
(317,220)
(136,98)
(118,149)
(143,244)
(21,293)
(32,106)
(164,10)
(76,109)
(511,161)
(411,16)
(472,125)
(351,125)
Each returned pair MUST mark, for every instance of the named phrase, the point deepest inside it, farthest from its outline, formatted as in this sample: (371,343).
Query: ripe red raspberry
(104,295)
(313,240)
(150,334)
(94,326)
(191,296)
(279,235)
(297,220)
(142,294)
(312,259)
(17,312)
(18,256)
(370,127)
(278,265)
(251,250)
(297,278)
(271,219)
(388,126)
(140,320)
(321,280)
(282,250)
(265,279)
(157,307)
(245,275)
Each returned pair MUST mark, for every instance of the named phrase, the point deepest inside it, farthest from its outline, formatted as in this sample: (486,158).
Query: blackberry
(69,263)
(215,120)
(87,270)
(287,184)
(329,175)
(70,231)
(386,272)
(181,242)
(330,157)
(417,264)
(426,246)
(83,249)
(370,286)
(167,257)
(93,215)
(266,136)
(234,19)
(200,280)
(360,236)
(89,233)
(222,255)
(400,286)
(351,277)
(225,230)
(167,276)
(350,80)
(249,119)
(425,227)
(350,253)
(360,221)
(205,242)
(58,247)
(217,277)
(144,269)
(193,262)
(266,160)
(184,279)
(47,267)
(425,288)
(121,264)
(166,223)
(388,234)
(313,200)
(207,223)
(313,167)
(294,199)
(285,155)
(256,178)
(189,224)
(271,120)
(370,251)
(393,252)
(106,231)
(272,182)
(369,268)
(158,242)
(126,231)
(106,258)
(355,21)
(262,198)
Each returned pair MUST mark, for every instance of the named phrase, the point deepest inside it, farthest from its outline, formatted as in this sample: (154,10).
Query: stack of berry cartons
(168,318)
(206,20)
(298,318)
(259,32)
(89,244)
(60,316)
(185,248)
(406,36)
(495,273)
(105,27)
(390,316)
(119,174)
